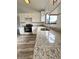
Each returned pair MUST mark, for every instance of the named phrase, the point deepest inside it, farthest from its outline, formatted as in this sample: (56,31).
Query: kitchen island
(48,44)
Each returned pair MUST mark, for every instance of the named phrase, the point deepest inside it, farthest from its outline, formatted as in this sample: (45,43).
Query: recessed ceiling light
(27,1)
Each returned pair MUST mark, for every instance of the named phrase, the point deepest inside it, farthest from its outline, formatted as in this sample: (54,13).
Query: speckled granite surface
(45,47)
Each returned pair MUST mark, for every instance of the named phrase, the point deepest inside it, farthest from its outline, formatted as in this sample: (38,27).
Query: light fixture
(27,1)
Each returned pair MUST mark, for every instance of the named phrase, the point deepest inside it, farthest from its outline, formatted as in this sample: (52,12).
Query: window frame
(52,15)
(49,18)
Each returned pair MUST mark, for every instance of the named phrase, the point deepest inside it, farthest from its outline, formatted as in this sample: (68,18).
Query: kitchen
(39,29)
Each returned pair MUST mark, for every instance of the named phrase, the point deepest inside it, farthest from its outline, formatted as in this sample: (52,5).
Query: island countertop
(48,45)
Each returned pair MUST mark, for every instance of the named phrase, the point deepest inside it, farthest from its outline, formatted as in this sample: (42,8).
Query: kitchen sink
(44,29)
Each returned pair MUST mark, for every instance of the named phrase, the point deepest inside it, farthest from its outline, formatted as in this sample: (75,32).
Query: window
(53,18)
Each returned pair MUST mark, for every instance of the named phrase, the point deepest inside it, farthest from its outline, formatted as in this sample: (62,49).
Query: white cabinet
(42,16)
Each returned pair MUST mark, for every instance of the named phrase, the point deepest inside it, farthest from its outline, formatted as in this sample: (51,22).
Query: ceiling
(35,5)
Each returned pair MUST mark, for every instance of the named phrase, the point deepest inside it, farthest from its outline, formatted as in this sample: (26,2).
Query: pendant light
(27,1)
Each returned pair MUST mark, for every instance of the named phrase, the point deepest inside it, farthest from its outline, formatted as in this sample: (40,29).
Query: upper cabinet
(42,16)
(52,4)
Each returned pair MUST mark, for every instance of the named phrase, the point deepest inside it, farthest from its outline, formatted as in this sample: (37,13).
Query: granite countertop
(48,45)
(53,26)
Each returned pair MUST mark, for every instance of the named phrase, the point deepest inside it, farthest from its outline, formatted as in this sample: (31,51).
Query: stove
(28,28)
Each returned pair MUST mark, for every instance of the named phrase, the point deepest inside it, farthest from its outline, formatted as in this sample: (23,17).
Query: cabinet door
(42,16)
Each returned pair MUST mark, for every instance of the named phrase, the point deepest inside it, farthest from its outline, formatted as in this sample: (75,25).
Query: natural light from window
(51,38)
(53,19)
